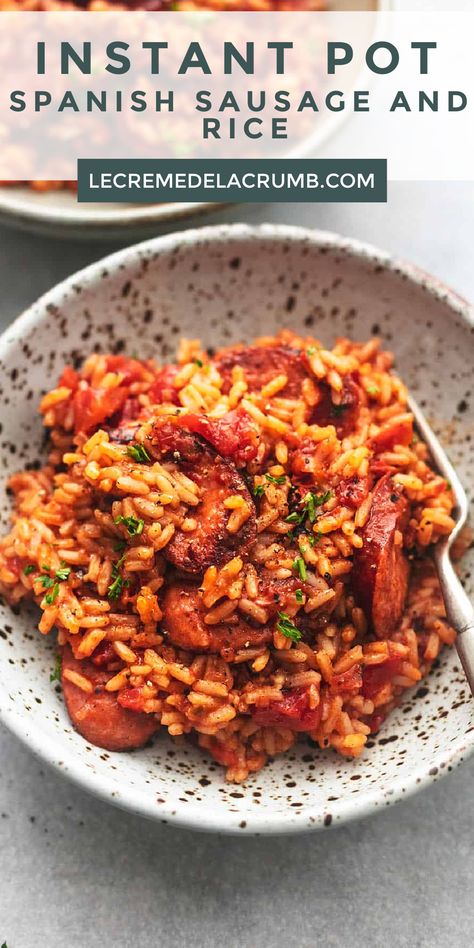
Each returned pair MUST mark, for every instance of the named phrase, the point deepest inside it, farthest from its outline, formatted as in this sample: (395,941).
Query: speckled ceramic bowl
(228,284)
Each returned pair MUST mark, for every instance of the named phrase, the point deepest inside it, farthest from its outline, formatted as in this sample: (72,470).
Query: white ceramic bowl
(228,284)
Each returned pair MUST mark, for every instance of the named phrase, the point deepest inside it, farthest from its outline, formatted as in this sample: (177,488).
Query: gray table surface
(77,872)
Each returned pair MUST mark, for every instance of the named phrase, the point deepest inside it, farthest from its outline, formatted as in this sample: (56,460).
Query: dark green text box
(150,180)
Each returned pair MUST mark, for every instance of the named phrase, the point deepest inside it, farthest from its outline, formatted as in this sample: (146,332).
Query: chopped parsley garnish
(115,589)
(56,673)
(276,480)
(287,627)
(199,363)
(52,582)
(53,595)
(258,490)
(28,569)
(299,595)
(371,389)
(119,546)
(311,502)
(311,350)
(138,453)
(299,566)
(46,581)
(314,538)
(134,525)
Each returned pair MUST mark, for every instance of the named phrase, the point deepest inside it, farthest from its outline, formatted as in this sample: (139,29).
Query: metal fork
(459,609)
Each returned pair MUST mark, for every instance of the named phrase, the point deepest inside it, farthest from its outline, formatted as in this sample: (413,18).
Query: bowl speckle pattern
(227,284)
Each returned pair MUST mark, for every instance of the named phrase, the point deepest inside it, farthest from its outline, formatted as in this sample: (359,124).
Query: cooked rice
(96,521)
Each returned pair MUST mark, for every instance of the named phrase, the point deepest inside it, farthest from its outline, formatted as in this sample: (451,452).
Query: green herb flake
(311,351)
(299,595)
(287,627)
(28,569)
(199,363)
(372,390)
(138,453)
(115,589)
(119,562)
(258,490)
(56,673)
(52,582)
(119,546)
(46,581)
(53,595)
(314,538)
(134,525)
(299,566)
(276,480)
(312,501)
(339,409)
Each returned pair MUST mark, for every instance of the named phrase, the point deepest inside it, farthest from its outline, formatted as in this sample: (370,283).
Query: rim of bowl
(196,816)
(16,208)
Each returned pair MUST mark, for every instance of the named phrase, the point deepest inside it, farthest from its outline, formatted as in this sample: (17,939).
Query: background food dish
(57,212)
(340,288)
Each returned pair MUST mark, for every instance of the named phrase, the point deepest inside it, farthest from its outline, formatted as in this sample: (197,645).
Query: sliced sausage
(183,621)
(261,364)
(380,571)
(278,595)
(98,716)
(210,543)
(343,415)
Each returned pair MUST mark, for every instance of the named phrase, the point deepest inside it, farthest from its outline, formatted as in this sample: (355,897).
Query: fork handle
(459,610)
(465,648)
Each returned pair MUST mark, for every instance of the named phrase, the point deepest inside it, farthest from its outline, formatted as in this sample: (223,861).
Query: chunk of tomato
(376,676)
(131,698)
(291,711)
(94,406)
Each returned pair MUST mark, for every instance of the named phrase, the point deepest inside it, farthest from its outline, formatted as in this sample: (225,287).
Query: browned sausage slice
(183,621)
(98,716)
(210,543)
(344,415)
(380,572)
(261,364)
